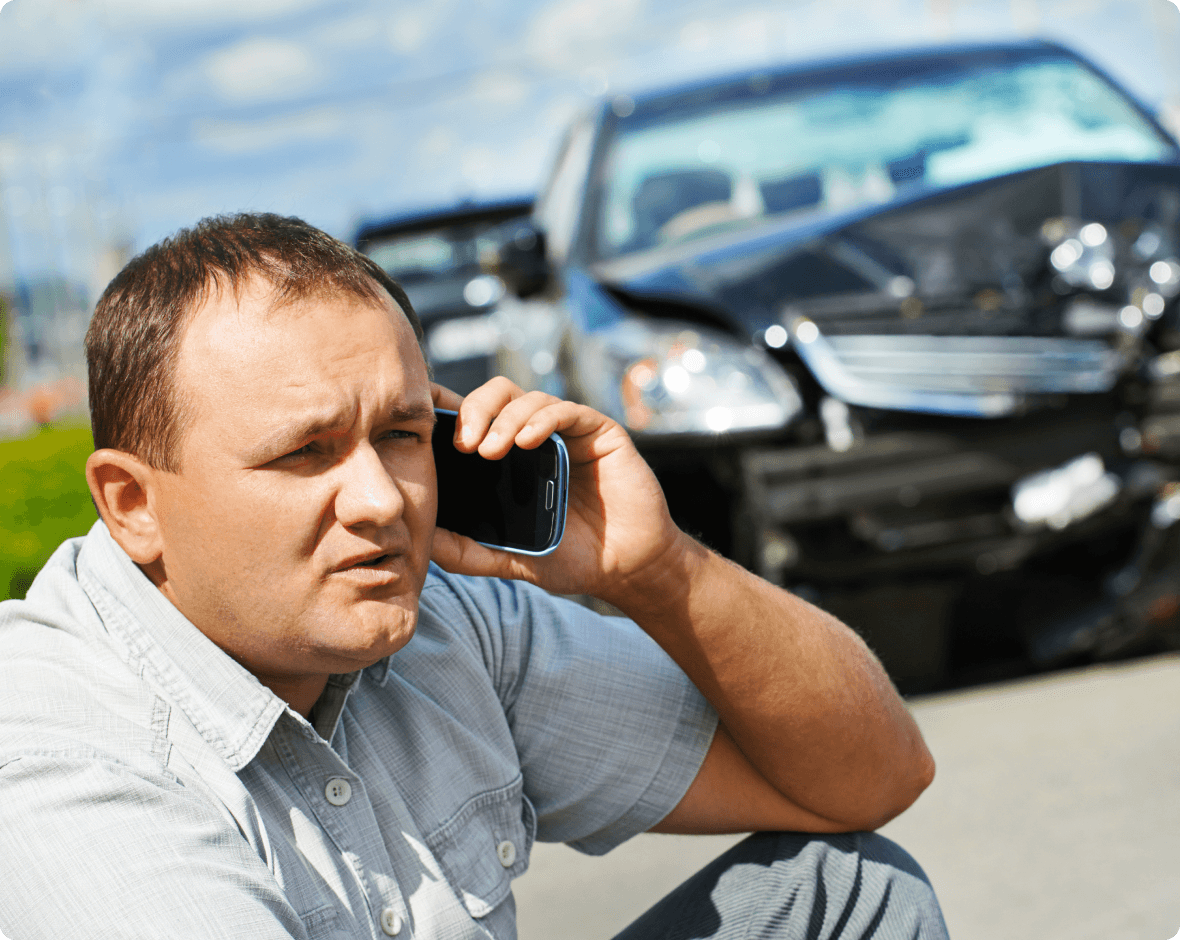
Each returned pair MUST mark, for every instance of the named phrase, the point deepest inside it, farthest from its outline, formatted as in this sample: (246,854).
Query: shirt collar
(231,709)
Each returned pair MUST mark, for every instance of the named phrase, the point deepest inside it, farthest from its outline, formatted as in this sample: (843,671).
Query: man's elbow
(904,790)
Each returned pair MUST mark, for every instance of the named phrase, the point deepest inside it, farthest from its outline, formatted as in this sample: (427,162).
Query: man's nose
(367,494)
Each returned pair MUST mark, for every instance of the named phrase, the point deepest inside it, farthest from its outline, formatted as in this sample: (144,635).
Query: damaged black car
(899,332)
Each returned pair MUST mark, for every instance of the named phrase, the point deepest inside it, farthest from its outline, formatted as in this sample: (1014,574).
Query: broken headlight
(1083,253)
(659,377)
(1139,259)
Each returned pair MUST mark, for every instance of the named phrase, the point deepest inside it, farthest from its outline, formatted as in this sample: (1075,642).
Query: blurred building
(47,324)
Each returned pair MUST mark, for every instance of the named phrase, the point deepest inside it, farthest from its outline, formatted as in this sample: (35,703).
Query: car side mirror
(520,259)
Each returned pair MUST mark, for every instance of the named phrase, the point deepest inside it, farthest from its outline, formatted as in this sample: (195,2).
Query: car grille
(982,376)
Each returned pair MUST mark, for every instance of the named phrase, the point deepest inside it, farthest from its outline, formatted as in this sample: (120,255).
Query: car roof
(425,220)
(834,68)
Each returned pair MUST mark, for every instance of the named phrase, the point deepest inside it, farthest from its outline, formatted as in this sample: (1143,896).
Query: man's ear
(124,490)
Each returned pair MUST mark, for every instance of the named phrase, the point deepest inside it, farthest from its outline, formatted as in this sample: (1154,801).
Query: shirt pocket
(484,845)
(323,923)
(312,899)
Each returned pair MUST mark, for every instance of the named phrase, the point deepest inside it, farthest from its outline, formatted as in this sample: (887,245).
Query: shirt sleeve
(609,731)
(87,842)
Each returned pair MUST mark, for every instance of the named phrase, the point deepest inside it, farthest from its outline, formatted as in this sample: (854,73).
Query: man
(247,705)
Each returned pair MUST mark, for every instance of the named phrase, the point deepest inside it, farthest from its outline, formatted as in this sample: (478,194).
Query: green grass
(43,500)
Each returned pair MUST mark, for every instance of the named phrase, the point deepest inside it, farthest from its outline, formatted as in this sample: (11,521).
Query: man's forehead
(256,332)
(255,305)
(255,294)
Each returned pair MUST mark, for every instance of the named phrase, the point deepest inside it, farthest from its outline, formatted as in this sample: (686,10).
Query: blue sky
(121,120)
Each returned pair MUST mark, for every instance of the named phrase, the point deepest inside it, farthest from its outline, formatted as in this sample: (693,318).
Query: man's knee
(779,885)
(846,885)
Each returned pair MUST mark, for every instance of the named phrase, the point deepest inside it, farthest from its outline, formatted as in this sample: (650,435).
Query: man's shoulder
(51,626)
(458,622)
(463,607)
(490,599)
(64,689)
(484,614)
(470,629)
(443,583)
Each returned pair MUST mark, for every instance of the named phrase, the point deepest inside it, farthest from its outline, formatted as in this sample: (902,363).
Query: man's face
(298,531)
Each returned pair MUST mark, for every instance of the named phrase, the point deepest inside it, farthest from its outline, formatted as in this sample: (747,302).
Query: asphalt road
(1055,814)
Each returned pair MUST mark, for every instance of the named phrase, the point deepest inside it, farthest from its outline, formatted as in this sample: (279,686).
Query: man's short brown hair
(135,335)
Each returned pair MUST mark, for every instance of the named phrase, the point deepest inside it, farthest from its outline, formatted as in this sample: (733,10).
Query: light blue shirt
(151,787)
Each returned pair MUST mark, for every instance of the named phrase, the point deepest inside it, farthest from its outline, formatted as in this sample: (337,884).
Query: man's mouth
(370,567)
(372,562)
(370,559)
(372,571)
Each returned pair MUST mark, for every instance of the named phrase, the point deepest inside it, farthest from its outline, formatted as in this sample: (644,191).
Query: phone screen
(516,503)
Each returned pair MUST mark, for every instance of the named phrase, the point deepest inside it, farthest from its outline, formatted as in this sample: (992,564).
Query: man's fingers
(564,417)
(531,409)
(443,397)
(462,555)
(499,414)
(480,409)
(493,415)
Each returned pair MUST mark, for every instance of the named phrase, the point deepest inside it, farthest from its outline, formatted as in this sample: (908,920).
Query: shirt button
(338,791)
(506,853)
(391,922)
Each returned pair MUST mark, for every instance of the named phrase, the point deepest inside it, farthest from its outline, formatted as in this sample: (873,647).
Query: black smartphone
(516,503)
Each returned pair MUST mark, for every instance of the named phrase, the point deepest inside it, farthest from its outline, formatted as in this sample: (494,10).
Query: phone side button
(549,491)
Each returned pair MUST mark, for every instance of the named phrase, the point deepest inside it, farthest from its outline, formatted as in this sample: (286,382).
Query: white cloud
(513,164)
(261,69)
(350,34)
(568,30)
(437,142)
(183,14)
(478,165)
(501,89)
(241,137)
(695,36)
(49,36)
(737,38)
(865,25)
(594,81)
(409,30)
(556,115)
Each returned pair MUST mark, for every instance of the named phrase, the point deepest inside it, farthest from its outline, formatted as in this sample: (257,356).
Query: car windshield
(416,256)
(671,177)
(440,253)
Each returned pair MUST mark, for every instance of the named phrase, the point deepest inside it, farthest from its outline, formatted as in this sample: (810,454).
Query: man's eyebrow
(293,434)
(290,435)
(410,413)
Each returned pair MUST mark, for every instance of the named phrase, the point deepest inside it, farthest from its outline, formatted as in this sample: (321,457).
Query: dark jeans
(798,886)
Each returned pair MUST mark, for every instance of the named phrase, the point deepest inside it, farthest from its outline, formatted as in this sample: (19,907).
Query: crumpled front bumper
(898,523)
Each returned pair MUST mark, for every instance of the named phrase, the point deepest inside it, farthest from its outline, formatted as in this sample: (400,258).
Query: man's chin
(341,637)
(376,629)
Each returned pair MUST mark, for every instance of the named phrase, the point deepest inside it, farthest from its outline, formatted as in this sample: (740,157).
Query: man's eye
(301,452)
(399,435)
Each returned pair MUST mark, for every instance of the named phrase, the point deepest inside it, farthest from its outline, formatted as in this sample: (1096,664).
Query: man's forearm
(802,696)
(809,708)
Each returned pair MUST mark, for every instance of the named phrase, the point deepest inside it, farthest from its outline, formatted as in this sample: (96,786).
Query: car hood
(966,260)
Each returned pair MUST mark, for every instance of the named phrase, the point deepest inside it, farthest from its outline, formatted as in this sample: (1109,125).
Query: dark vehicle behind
(899,332)
(435,256)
